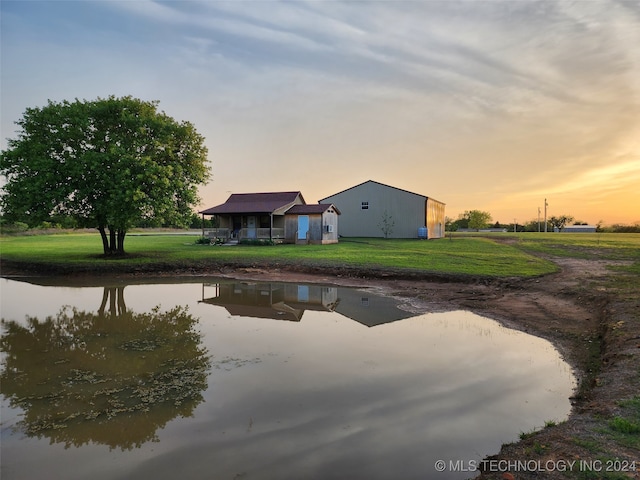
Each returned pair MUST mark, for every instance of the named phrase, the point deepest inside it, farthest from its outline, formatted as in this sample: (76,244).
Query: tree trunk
(121,234)
(115,297)
(105,297)
(122,307)
(112,302)
(112,239)
(105,240)
(114,243)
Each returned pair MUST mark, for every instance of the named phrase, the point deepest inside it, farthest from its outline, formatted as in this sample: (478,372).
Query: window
(364,206)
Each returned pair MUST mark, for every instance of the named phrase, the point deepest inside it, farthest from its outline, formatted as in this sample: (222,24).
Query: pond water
(222,379)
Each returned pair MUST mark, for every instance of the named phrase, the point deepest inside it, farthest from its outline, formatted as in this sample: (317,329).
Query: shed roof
(311,209)
(255,203)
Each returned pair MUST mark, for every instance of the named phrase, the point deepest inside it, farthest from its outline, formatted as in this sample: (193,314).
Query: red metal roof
(254,203)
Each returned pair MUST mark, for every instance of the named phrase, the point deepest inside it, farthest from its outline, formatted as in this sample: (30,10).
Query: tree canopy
(472,219)
(560,222)
(108,163)
(478,219)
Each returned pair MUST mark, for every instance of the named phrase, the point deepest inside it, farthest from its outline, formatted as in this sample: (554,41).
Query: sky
(483,105)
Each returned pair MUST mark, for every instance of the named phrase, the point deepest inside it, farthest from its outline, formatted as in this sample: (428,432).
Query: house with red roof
(276,216)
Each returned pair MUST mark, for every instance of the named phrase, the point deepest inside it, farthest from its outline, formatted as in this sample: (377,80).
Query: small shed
(315,224)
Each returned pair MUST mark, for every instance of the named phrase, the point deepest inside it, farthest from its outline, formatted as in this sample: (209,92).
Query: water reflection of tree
(112,379)
(115,297)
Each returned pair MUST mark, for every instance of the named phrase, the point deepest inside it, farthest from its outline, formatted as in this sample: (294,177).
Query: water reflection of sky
(326,395)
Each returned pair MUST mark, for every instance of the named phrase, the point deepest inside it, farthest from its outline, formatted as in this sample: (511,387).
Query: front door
(251,226)
(303,226)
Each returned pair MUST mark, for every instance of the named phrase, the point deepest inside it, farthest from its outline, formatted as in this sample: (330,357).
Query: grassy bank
(605,426)
(460,255)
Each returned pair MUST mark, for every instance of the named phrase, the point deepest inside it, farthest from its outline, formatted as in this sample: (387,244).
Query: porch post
(271,227)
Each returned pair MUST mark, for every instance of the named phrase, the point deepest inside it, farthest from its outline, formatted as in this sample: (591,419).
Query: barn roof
(382,185)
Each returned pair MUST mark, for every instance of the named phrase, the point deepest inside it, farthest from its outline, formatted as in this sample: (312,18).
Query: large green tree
(474,219)
(108,163)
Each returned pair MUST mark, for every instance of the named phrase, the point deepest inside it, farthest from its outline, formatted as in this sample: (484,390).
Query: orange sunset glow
(482,105)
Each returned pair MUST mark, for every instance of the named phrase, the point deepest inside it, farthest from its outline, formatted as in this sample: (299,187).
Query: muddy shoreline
(573,309)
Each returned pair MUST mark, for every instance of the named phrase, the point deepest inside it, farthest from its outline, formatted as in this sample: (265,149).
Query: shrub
(623,425)
(48,225)
(257,242)
(15,227)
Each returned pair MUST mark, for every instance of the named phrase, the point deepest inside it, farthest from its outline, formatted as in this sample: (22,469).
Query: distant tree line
(62,222)
(479,220)
(9,225)
(621,228)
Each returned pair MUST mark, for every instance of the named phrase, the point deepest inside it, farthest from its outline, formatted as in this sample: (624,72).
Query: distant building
(577,229)
(364,207)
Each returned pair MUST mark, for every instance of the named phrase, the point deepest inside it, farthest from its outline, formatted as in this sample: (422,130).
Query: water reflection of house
(281,301)
(368,309)
(288,301)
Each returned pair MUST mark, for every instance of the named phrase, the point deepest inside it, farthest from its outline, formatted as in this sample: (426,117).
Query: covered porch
(251,216)
(236,228)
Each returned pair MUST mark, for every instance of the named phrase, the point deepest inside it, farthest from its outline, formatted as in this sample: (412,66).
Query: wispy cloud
(497,98)
(503,52)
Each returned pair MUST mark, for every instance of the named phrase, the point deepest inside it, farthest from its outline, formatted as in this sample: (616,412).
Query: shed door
(303,226)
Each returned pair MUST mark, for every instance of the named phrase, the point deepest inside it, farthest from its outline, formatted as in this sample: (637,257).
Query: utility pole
(545,215)
(538,219)
(514,225)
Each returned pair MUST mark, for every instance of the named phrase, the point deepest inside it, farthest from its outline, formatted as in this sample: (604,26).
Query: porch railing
(226,234)
(261,233)
(220,233)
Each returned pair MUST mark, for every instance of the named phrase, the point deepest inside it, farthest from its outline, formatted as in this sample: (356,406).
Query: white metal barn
(364,207)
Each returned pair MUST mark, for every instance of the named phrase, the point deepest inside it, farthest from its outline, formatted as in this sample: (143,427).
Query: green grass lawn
(463,254)
(460,255)
(608,246)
